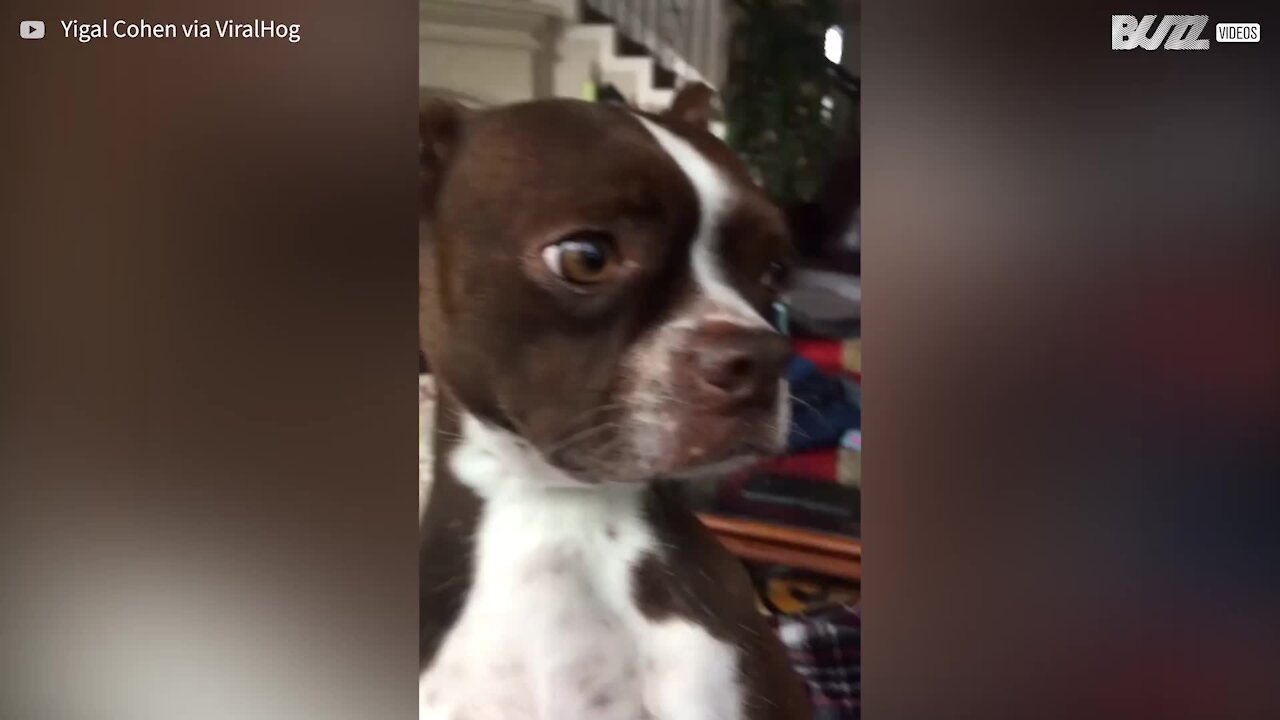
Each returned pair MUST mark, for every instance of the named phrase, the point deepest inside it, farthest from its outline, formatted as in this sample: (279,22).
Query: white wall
(493,74)
(493,51)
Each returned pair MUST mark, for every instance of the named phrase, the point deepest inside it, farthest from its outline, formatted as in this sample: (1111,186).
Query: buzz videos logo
(1175,32)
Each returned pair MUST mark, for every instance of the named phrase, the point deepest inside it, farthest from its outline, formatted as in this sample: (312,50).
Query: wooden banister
(824,553)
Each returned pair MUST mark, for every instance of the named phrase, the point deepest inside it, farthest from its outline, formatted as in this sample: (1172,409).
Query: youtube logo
(31,29)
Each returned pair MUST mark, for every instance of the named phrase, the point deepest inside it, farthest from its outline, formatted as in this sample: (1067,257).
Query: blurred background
(787,72)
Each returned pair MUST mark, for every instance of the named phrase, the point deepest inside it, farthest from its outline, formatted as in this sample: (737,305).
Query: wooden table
(836,556)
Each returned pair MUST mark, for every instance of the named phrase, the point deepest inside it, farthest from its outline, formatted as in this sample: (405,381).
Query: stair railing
(688,37)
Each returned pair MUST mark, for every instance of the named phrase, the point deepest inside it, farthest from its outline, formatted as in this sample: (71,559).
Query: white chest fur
(550,629)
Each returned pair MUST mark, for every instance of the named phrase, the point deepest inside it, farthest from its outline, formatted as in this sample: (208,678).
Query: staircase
(488,52)
(644,48)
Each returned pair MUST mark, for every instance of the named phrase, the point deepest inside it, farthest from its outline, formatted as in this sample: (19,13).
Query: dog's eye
(775,276)
(584,258)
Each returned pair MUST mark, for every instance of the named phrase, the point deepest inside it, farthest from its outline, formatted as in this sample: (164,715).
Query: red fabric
(816,464)
(828,355)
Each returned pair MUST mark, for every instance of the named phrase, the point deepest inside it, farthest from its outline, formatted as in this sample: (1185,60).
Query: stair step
(625,45)
(623,62)
(663,77)
(631,48)
(592,16)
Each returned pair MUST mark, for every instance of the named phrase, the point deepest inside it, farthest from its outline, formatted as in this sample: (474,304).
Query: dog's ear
(692,105)
(440,124)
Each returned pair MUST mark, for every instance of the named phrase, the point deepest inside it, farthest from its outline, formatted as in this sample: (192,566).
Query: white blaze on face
(716,300)
(715,199)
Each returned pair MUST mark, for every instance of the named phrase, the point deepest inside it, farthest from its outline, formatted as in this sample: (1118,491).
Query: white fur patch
(550,629)
(715,199)
(700,679)
(495,462)
(426,427)
(717,300)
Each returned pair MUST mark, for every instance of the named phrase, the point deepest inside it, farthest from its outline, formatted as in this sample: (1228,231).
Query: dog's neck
(477,470)
(446,537)
(500,466)
(641,536)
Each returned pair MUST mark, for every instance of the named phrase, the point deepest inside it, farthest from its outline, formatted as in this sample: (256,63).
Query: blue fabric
(823,407)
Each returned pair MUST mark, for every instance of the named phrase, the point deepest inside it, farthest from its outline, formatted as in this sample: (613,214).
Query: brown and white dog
(594,283)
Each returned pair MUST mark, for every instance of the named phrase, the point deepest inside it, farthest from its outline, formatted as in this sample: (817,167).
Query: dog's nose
(738,366)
